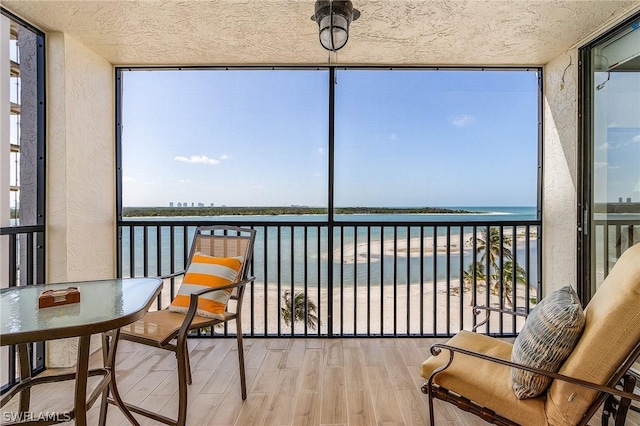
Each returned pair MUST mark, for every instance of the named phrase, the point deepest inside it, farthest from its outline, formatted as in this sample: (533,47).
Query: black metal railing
(612,238)
(25,266)
(377,279)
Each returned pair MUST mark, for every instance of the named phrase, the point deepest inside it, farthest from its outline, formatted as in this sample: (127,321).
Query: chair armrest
(193,304)
(477,310)
(197,294)
(436,348)
(173,275)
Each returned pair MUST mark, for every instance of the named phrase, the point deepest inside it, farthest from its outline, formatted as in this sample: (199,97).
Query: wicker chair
(473,371)
(162,328)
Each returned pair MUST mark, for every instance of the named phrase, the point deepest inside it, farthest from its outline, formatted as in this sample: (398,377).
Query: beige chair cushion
(611,331)
(485,382)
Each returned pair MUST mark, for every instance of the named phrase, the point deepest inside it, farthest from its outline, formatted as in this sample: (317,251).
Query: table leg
(113,386)
(25,373)
(82,374)
(104,404)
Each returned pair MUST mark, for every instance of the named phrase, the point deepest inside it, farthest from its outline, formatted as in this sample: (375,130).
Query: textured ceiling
(280,32)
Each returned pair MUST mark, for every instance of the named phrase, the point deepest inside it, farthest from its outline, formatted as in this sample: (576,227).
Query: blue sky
(260,138)
(617,137)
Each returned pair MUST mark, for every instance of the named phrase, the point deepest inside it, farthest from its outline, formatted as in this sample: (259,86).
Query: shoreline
(299,210)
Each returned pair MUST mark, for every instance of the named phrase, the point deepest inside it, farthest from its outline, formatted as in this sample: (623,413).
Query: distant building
(171,204)
(211,205)
(200,204)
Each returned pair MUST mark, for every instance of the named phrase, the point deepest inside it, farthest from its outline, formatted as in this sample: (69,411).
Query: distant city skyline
(403,138)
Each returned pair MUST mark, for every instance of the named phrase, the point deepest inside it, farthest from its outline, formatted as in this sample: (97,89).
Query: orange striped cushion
(206,272)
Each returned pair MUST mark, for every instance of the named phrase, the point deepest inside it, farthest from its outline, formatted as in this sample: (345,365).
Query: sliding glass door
(611,152)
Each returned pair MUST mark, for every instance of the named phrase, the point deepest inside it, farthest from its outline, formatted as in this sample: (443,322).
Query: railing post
(330,205)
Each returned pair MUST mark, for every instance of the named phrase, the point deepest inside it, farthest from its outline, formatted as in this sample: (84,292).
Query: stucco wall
(80,170)
(559,196)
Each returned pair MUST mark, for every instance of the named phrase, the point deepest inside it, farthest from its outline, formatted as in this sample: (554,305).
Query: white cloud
(463,120)
(184,181)
(635,138)
(321,150)
(198,159)
(129,179)
(603,164)
(604,146)
(393,136)
(225,157)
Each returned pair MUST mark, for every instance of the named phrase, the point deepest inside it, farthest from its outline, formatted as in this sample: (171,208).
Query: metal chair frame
(184,323)
(616,402)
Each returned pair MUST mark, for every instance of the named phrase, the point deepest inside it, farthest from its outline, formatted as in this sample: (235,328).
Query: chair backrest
(226,241)
(608,344)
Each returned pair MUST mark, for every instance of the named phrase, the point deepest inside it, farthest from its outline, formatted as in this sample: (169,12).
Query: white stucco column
(559,181)
(80,211)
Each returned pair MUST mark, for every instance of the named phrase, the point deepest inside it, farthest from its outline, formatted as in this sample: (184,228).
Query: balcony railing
(361,278)
(612,238)
(25,266)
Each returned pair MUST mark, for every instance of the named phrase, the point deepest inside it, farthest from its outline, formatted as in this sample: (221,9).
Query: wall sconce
(333,18)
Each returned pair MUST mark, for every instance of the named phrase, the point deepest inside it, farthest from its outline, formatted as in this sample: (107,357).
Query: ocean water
(291,257)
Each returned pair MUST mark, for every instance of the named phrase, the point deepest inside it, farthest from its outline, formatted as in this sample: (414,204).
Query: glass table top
(104,305)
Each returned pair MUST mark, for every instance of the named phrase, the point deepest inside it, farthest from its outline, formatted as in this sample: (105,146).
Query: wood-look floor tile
(360,408)
(307,409)
(413,408)
(398,373)
(334,356)
(295,354)
(280,411)
(312,370)
(355,369)
(255,355)
(372,352)
(290,382)
(334,400)
(268,372)
(253,410)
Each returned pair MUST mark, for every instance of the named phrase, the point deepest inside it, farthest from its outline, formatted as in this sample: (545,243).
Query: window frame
(331,118)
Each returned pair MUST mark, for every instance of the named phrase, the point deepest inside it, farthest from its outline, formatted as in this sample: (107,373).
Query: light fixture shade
(333,18)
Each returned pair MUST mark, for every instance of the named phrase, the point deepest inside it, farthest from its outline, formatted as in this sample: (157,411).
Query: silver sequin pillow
(548,336)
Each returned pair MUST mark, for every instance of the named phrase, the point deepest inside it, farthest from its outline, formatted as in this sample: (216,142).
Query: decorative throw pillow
(206,272)
(548,336)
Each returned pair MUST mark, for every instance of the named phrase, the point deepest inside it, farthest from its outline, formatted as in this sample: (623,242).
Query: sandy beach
(364,252)
(359,310)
